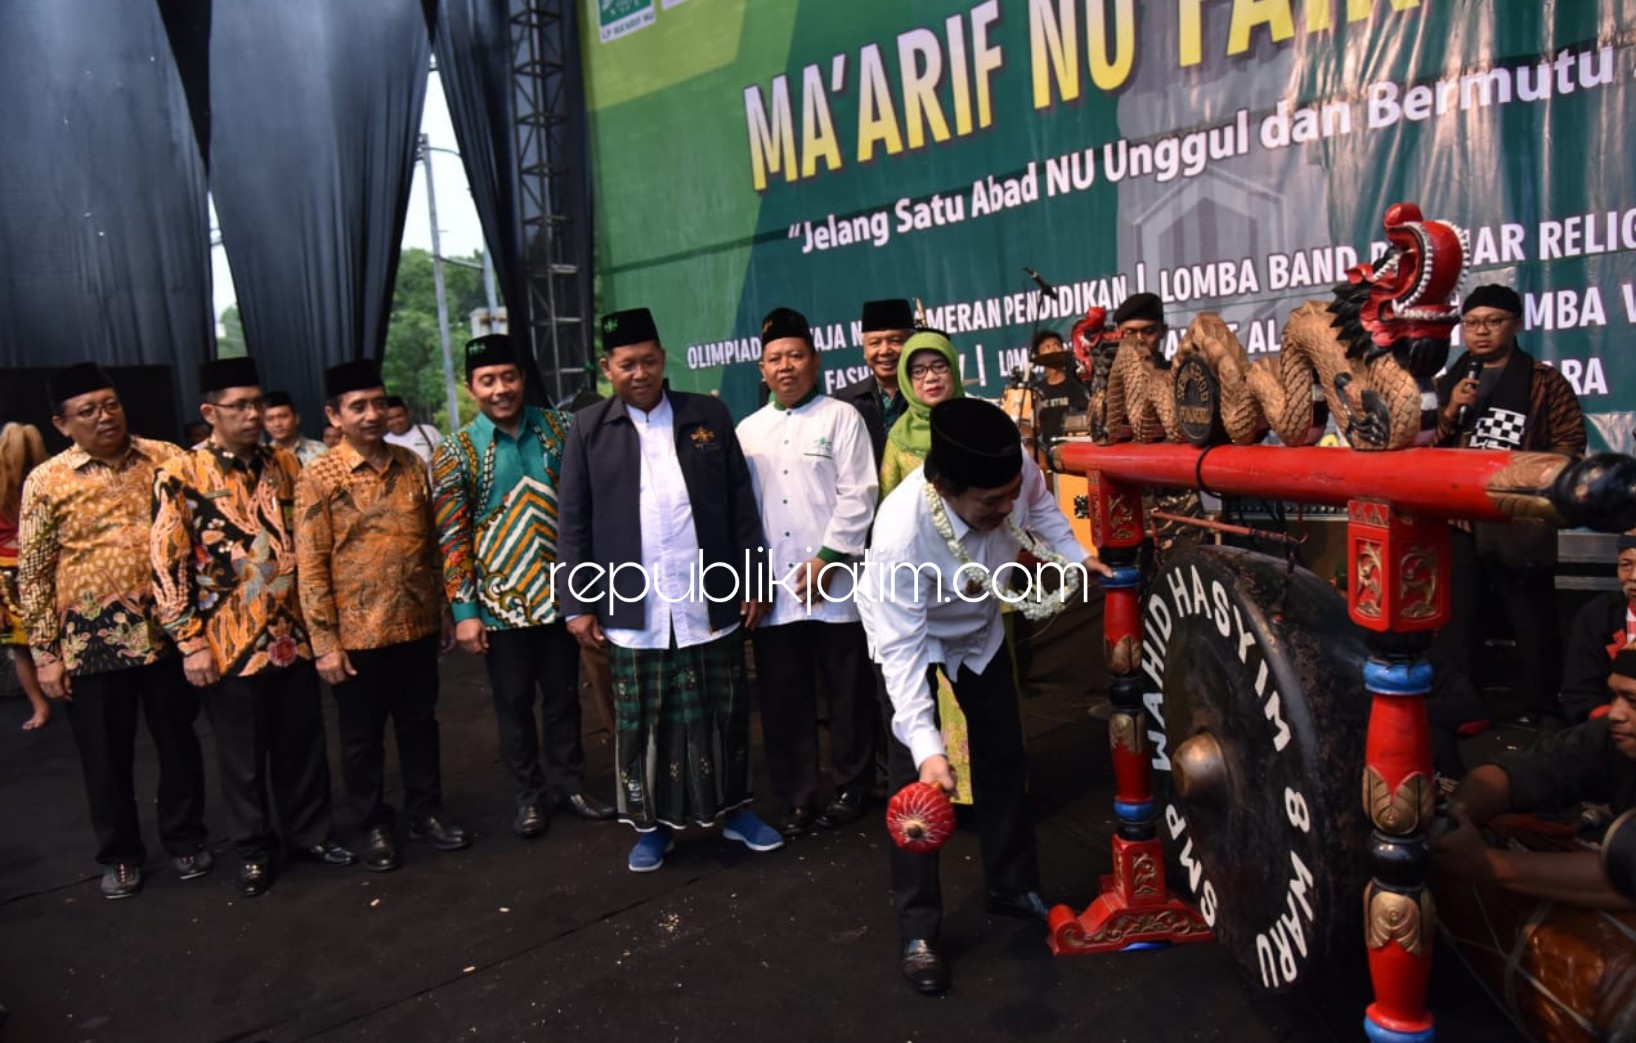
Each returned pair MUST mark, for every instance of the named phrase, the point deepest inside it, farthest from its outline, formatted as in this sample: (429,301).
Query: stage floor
(514,941)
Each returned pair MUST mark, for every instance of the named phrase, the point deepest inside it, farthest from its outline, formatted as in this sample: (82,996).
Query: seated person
(1604,626)
(1595,761)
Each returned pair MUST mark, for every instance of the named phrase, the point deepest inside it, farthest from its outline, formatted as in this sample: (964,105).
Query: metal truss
(548,99)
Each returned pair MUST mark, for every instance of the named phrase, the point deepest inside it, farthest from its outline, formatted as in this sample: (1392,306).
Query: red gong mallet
(920,818)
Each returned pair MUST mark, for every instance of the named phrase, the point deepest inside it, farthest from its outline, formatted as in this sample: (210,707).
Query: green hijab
(913,431)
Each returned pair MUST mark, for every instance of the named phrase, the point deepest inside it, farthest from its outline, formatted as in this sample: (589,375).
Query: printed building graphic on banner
(1232,157)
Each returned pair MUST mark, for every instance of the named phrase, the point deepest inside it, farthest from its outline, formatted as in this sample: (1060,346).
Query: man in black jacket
(662,561)
(1497,396)
(886,325)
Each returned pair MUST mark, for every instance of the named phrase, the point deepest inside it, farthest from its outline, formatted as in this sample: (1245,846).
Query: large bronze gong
(1252,675)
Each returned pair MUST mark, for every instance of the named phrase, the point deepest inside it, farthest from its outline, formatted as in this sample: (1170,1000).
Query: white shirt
(918,614)
(420,439)
(670,546)
(815,483)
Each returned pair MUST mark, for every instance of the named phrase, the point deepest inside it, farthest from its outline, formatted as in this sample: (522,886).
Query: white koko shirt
(670,546)
(912,603)
(815,483)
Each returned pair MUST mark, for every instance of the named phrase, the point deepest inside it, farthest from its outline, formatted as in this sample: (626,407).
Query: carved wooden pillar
(1398,592)
(1134,910)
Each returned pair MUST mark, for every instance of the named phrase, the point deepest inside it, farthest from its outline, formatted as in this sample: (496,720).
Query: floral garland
(1040,606)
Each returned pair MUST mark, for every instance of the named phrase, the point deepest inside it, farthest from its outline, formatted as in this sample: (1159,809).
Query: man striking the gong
(931,596)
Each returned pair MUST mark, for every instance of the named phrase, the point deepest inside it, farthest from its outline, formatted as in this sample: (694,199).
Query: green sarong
(682,742)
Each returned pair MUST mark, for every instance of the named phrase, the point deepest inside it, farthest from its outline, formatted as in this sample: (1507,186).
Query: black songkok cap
(785,322)
(1492,295)
(357,375)
(1628,540)
(221,374)
(275,399)
(492,349)
(623,328)
(974,444)
(81,378)
(396,402)
(895,314)
(1624,662)
(1142,307)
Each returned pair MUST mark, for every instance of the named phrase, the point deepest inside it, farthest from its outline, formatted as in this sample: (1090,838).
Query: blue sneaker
(650,850)
(742,825)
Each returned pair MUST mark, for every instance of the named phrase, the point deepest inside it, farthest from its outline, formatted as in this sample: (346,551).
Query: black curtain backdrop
(104,233)
(314,111)
(474,62)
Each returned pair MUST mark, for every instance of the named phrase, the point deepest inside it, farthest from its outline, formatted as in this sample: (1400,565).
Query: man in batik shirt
(224,580)
(496,489)
(87,598)
(371,596)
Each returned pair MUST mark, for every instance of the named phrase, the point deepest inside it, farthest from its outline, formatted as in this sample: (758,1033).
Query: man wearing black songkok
(928,599)
(885,326)
(1497,396)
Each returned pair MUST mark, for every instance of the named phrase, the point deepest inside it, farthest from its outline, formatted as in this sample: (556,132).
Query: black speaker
(148,394)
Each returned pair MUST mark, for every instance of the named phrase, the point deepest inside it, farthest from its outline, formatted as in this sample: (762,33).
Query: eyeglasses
(1484,325)
(90,413)
(1140,332)
(926,369)
(244,405)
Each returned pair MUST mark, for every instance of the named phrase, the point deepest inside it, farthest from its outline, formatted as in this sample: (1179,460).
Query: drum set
(1020,402)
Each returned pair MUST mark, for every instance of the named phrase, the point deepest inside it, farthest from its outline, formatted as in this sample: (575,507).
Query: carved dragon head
(1092,336)
(1405,303)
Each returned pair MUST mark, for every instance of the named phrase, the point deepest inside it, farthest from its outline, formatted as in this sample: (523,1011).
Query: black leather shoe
(845,809)
(531,821)
(254,879)
(795,822)
(192,867)
(925,968)
(445,836)
(585,806)
(327,852)
(380,855)
(1028,905)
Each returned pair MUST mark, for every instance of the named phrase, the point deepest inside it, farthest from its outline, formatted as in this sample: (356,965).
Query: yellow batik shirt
(224,557)
(369,569)
(83,576)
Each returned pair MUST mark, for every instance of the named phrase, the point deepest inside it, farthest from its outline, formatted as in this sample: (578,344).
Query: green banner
(1230,155)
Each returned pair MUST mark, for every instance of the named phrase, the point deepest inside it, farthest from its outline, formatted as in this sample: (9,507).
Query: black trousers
(1528,596)
(270,730)
(999,782)
(400,682)
(792,660)
(538,662)
(103,714)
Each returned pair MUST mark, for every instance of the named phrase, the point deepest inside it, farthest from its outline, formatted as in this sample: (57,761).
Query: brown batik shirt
(83,577)
(367,548)
(224,557)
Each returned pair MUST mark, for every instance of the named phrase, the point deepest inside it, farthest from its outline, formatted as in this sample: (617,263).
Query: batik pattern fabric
(682,738)
(12,631)
(495,503)
(84,583)
(224,560)
(366,551)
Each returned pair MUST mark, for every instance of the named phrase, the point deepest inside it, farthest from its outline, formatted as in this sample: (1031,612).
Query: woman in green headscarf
(928,373)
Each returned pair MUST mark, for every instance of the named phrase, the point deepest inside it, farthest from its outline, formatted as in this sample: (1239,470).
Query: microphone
(1474,369)
(1044,286)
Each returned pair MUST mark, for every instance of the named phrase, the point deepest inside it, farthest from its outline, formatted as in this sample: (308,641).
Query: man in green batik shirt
(495,489)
